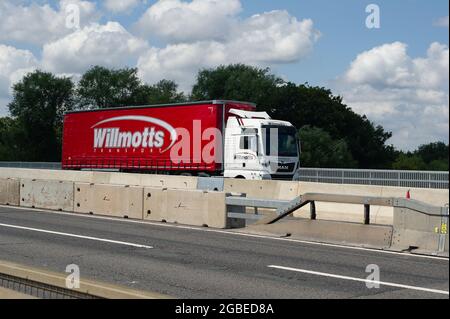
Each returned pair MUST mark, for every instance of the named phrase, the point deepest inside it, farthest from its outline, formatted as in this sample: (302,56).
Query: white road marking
(76,236)
(390,284)
(231,233)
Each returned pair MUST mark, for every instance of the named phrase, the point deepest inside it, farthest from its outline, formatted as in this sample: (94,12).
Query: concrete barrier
(53,195)
(371,236)
(188,207)
(57,282)
(263,189)
(354,213)
(9,191)
(420,233)
(109,200)
(116,178)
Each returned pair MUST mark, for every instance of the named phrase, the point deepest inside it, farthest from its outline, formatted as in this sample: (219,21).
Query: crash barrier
(169,181)
(50,285)
(379,214)
(326,231)
(281,190)
(417,226)
(415,179)
(189,207)
(109,200)
(418,231)
(54,195)
(9,191)
(198,208)
(254,188)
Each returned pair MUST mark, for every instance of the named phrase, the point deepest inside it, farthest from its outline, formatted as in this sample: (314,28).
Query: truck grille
(279,177)
(285,167)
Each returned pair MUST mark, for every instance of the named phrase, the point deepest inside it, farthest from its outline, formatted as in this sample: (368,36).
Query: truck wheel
(240,177)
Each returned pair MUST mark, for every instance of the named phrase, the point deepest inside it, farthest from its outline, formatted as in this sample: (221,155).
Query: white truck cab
(258,147)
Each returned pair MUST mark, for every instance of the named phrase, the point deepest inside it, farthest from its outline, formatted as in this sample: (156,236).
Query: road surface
(189,262)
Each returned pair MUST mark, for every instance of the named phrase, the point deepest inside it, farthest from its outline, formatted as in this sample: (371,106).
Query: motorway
(190,262)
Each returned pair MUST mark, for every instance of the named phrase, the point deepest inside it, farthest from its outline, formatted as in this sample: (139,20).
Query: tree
(163,92)
(433,152)
(235,82)
(319,149)
(438,165)
(39,103)
(409,162)
(430,157)
(11,140)
(100,87)
(301,105)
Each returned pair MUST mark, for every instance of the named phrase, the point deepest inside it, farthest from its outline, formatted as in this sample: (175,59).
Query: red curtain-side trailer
(142,139)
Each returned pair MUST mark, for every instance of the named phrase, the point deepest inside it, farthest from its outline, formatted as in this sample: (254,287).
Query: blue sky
(342,24)
(395,74)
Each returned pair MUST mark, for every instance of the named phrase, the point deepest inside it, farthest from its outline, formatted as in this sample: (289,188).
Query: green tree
(235,82)
(429,157)
(301,105)
(101,87)
(437,151)
(319,149)
(409,162)
(438,165)
(39,103)
(11,140)
(163,92)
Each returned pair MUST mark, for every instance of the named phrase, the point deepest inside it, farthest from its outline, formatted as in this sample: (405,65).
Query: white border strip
(231,233)
(390,284)
(76,236)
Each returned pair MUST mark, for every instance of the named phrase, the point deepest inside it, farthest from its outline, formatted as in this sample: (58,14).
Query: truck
(211,138)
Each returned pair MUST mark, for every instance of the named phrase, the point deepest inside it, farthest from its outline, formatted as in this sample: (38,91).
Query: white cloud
(14,64)
(266,39)
(179,21)
(38,24)
(199,34)
(180,62)
(109,45)
(441,22)
(117,6)
(408,96)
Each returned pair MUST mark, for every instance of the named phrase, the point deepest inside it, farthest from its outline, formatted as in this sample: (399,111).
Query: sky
(396,72)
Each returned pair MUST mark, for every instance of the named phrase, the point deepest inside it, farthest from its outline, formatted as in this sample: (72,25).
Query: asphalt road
(188,262)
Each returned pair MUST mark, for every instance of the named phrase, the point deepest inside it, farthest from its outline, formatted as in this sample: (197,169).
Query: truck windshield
(283,138)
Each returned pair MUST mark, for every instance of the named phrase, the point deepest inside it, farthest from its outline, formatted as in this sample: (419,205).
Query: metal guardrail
(41,290)
(415,179)
(34,165)
(49,285)
(285,208)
